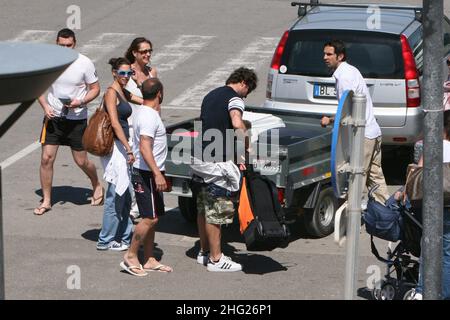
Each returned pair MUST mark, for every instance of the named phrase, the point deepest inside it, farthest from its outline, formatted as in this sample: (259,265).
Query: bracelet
(130,152)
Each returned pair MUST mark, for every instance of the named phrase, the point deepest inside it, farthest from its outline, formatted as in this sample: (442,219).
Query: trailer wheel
(319,222)
(188,209)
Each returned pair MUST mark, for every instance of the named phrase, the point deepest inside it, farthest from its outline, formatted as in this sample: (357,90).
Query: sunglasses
(146,51)
(122,73)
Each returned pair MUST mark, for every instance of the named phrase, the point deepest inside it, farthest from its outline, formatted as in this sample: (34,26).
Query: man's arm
(93,92)
(48,110)
(146,149)
(240,129)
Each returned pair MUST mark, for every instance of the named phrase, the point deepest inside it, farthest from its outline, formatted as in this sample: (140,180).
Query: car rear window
(375,54)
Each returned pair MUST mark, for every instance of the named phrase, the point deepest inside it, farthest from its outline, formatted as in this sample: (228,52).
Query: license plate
(324,91)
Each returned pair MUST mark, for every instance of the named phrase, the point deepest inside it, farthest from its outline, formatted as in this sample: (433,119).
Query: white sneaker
(417,296)
(203,257)
(113,246)
(225,264)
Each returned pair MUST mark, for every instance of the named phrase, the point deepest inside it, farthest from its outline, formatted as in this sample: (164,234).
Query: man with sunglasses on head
(65,109)
(216,175)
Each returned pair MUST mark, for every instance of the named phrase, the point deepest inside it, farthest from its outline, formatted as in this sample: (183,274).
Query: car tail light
(411,75)
(281,196)
(276,60)
(399,139)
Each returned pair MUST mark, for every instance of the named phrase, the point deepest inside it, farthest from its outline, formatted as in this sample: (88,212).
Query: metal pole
(355,189)
(432,149)
(2,273)
(13,117)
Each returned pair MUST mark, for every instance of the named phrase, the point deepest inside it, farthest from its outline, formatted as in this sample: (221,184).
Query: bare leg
(149,241)
(48,157)
(88,167)
(140,234)
(214,236)
(204,244)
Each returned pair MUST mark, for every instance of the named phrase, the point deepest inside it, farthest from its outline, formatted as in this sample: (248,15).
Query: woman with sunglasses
(117,226)
(138,54)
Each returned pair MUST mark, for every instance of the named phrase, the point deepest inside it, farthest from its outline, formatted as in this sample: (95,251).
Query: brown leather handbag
(98,138)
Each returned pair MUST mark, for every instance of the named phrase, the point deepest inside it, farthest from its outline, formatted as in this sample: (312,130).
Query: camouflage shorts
(216,210)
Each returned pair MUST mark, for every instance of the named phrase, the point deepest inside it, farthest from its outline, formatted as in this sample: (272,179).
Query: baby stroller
(395,222)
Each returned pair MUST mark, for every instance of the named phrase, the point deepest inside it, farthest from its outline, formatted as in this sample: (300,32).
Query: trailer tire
(319,222)
(188,209)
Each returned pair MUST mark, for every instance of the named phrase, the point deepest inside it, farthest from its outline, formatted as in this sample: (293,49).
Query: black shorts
(63,132)
(150,202)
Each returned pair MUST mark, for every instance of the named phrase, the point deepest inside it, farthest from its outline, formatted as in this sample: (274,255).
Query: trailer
(297,160)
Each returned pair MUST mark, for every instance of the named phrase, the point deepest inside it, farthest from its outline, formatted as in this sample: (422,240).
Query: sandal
(99,200)
(39,211)
(159,268)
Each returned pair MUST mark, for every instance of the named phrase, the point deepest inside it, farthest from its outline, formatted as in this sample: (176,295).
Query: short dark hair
(150,88)
(117,62)
(447,124)
(247,124)
(134,46)
(66,33)
(339,47)
(244,74)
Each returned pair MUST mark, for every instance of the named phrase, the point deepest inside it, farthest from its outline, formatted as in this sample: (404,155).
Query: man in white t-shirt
(65,108)
(349,78)
(150,149)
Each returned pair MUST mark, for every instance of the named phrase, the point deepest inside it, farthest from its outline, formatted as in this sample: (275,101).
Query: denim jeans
(117,224)
(445,260)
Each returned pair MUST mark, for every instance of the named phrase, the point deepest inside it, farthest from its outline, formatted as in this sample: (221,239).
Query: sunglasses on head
(146,51)
(123,73)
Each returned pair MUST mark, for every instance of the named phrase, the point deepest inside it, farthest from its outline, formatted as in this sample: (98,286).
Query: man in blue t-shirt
(221,112)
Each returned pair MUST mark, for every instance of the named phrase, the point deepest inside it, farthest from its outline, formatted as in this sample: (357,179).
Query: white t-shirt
(349,78)
(134,90)
(73,84)
(147,122)
(446,151)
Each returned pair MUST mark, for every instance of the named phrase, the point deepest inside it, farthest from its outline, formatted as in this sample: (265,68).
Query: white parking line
(19,155)
(36,36)
(104,43)
(252,56)
(174,54)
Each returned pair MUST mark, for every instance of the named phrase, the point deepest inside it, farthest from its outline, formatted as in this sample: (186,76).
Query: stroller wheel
(376,291)
(409,295)
(376,294)
(387,292)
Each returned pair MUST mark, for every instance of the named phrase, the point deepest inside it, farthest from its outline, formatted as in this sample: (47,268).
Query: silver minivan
(388,52)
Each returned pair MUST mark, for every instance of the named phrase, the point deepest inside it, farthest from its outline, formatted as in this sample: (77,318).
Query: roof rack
(302,7)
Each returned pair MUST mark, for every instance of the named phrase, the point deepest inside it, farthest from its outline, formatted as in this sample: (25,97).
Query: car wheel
(319,222)
(188,209)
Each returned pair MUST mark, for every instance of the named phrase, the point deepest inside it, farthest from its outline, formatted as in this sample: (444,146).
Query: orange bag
(245,211)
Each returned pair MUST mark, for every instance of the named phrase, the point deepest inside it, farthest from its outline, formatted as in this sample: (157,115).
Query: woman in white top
(139,54)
